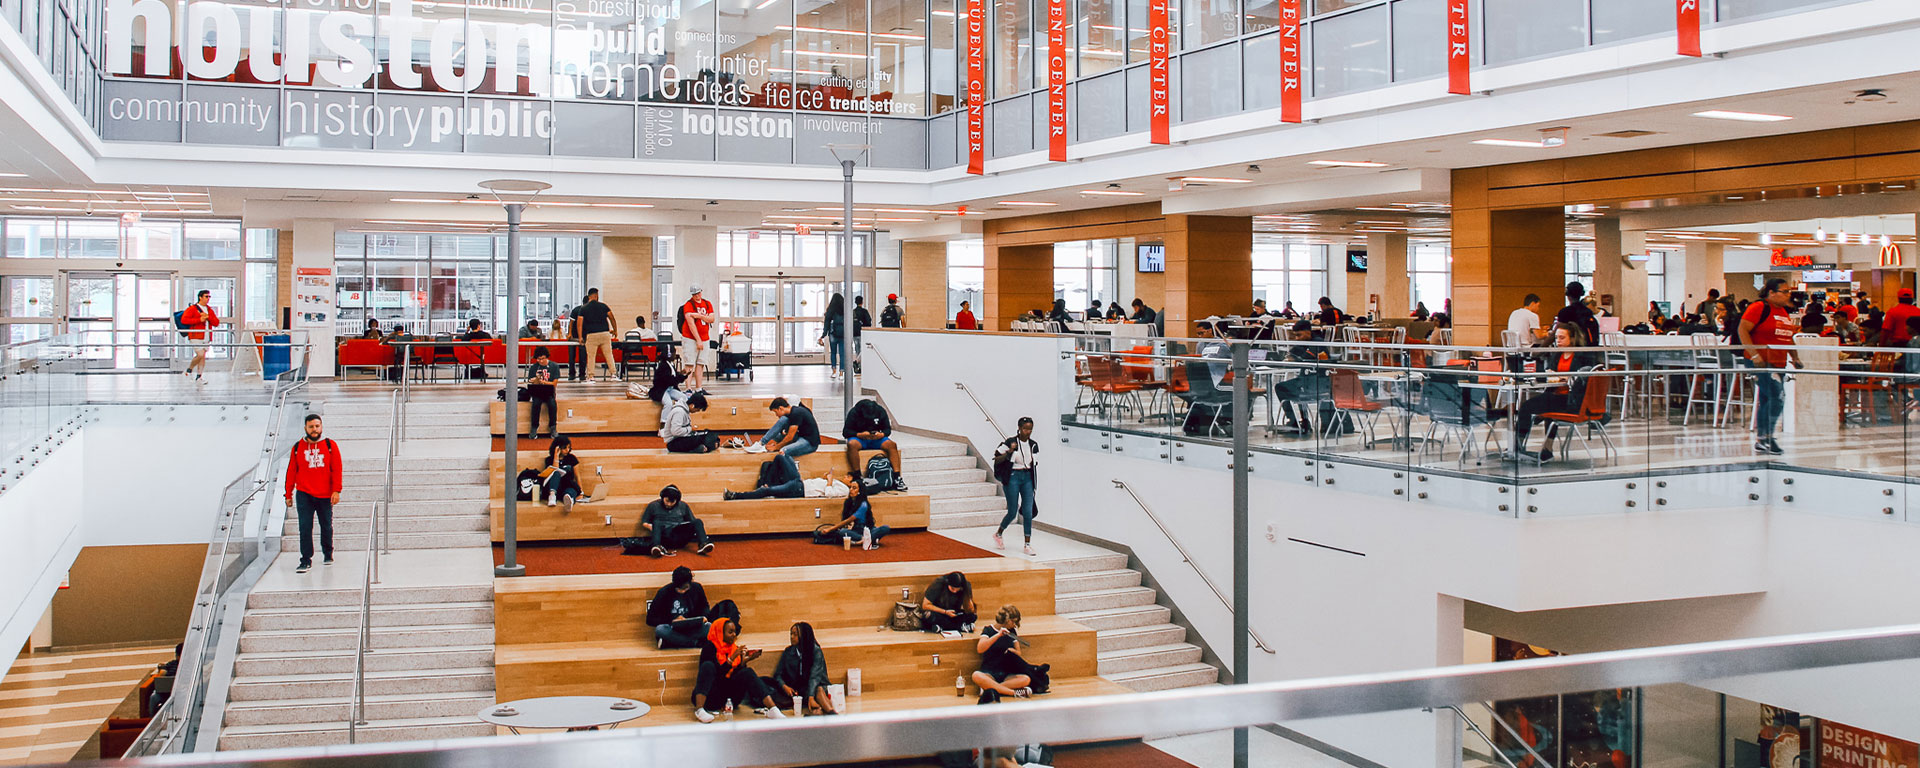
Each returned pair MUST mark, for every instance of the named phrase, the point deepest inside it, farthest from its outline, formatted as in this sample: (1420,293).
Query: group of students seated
(682,618)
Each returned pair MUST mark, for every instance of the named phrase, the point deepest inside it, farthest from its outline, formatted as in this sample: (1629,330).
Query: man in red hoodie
(313,487)
(199,318)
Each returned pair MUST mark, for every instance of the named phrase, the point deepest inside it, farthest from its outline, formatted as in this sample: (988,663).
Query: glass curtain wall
(433,283)
(1430,274)
(966,276)
(1288,272)
(1083,271)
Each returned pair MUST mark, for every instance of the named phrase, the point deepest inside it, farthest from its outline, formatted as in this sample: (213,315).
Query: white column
(695,262)
(313,248)
(1704,270)
(1614,275)
(1387,275)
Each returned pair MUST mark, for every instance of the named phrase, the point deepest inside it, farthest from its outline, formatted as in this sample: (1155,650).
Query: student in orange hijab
(725,676)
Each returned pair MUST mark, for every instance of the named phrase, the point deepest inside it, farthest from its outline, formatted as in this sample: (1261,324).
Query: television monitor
(1356,260)
(1153,257)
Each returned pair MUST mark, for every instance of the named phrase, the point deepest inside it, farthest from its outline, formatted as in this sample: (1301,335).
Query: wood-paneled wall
(128,594)
(1209,261)
(626,278)
(923,284)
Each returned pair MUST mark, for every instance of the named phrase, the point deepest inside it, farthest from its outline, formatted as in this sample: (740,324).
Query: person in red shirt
(964,320)
(313,487)
(199,319)
(696,327)
(1766,324)
(1893,327)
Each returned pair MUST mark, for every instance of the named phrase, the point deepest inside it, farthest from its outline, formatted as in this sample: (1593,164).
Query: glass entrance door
(124,318)
(780,314)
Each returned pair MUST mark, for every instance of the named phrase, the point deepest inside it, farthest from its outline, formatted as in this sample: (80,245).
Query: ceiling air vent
(1627,134)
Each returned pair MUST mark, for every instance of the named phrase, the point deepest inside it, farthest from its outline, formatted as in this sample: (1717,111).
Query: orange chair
(1593,414)
(1868,388)
(1350,400)
(1109,384)
(364,353)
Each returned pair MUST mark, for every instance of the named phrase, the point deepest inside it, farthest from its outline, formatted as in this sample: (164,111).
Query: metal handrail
(1187,558)
(883,360)
(1491,747)
(1513,734)
(962,386)
(358,715)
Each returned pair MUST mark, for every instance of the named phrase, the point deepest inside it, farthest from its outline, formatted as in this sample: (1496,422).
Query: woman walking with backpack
(1013,465)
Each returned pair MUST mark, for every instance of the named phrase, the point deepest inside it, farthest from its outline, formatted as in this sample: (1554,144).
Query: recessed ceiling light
(1213,180)
(1750,117)
(1347,163)
(1509,143)
(1111,193)
(1028,203)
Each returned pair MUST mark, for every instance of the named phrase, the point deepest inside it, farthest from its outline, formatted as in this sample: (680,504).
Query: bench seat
(539,522)
(586,416)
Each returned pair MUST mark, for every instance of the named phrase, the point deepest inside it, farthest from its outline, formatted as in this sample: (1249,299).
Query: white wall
(40,534)
(154,474)
(133,475)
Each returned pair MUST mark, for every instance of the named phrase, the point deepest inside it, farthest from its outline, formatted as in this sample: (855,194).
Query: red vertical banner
(976,31)
(1459,49)
(1057,80)
(1159,87)
(1687,14)
(1289,61)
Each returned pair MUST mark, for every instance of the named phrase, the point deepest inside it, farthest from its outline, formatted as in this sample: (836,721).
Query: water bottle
(960,686)
(729,710)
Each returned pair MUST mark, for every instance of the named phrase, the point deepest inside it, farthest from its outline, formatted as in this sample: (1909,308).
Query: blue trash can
(276,355)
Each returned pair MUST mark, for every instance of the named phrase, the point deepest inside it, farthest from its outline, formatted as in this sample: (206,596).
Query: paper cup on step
(853,681)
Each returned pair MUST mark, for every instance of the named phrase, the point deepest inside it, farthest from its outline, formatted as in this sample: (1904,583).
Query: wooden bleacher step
(586,416)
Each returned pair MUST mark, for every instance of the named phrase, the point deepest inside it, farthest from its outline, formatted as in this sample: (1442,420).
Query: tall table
(571,713)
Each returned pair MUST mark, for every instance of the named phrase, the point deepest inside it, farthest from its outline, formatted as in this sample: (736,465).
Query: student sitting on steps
(947,605)
(802,671)
(725,677)
(779,478)
(678,612)
(672,525)
(560,476)
(676,426)
(1003,671)
(857,522)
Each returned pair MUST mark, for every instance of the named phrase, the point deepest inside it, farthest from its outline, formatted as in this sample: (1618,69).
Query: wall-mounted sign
(1057,80)
(1780,258)
(313,299)
(1289,61)
(1459,49)
(1159,86)
(1827,276)
(1844,746)
(1687,21)
(1890,255)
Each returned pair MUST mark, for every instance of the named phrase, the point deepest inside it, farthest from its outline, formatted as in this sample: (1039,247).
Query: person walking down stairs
(313,487)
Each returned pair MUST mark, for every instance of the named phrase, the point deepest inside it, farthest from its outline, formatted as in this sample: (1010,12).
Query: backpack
(725,609)
(890,317)
(879,475)
(528,482)
(180,323)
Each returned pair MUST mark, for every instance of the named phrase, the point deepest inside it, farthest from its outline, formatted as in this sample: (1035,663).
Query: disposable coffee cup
(796,707)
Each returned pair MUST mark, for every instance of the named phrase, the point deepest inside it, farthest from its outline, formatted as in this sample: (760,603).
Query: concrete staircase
(429,667)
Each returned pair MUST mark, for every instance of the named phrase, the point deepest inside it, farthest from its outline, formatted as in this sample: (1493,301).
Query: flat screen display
(1153,257)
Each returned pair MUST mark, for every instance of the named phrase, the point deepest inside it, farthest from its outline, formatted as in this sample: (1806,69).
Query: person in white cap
(696,344)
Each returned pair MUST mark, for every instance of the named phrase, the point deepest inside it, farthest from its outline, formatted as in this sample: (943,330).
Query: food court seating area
(432,359)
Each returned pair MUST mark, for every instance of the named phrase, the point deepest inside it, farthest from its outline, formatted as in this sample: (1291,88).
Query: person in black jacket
(1562,399)
(802,671)
(779,478)
(1577,313)
(1059,314)
(1015,464)
(867,428)
(947,605)
(678,612)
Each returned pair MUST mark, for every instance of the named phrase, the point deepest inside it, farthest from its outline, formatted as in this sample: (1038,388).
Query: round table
(573,713)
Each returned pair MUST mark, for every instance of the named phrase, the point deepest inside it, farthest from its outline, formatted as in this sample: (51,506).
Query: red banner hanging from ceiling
(1289,61)
(1057,80)
(1159,88)
(1459,48)
(1688,22)
(976,28)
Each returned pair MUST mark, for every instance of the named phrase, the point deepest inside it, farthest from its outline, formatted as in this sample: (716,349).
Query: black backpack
(890,317)
(528,483)
(879,475)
